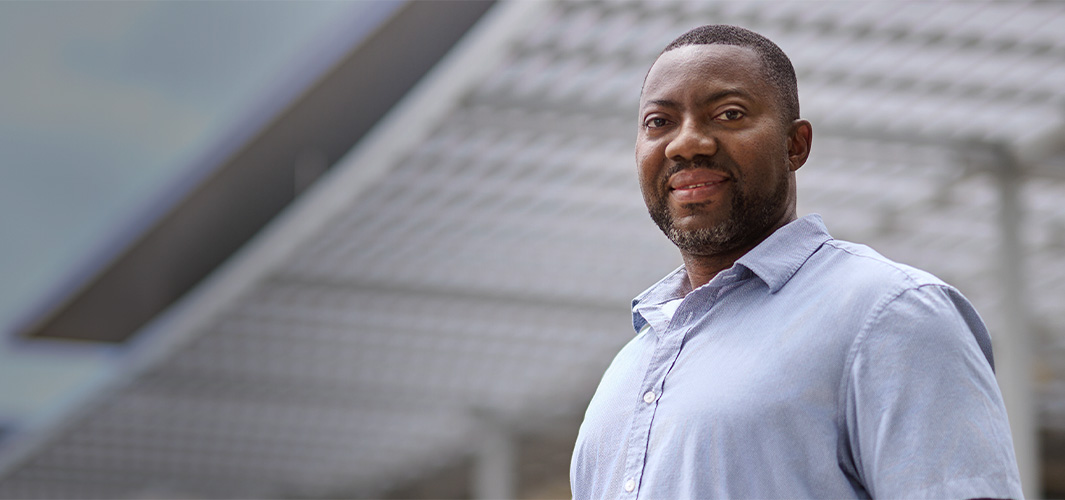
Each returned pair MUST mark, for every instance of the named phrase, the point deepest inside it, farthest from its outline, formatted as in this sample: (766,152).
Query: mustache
(706,162)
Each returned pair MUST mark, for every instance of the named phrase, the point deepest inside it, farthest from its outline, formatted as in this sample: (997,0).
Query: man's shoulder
(858,278)
(856,264)
(870,289)
(804,252)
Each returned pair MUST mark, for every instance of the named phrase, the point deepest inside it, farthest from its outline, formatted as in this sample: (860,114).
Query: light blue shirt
(812,368)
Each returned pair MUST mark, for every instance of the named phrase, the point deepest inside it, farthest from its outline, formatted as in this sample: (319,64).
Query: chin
(706,240)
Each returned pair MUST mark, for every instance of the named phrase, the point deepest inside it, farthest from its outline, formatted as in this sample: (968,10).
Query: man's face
(713,149)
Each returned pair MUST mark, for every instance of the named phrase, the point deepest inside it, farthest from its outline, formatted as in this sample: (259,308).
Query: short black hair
(775,62)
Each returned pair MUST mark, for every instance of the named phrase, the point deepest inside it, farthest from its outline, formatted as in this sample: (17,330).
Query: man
(778,362)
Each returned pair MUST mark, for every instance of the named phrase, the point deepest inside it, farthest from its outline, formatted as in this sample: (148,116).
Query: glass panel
(111,111)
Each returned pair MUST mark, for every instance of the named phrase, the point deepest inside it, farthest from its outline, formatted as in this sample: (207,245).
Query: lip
(696,185)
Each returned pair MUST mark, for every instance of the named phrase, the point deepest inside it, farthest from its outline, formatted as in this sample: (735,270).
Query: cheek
(646,168)
(652,184)
(766,156)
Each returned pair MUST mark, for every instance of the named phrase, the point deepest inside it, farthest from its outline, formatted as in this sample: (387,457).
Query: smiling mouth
(699,187)
(695,186)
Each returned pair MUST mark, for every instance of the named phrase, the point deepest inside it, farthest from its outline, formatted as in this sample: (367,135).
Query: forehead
(694,70)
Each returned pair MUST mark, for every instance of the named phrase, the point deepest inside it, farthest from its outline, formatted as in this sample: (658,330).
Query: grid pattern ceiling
(484,279)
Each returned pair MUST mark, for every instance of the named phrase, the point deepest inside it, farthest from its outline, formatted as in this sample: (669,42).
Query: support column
(1014,350)
(495,464)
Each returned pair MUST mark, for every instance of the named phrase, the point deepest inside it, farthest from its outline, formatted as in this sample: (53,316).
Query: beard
(748,217)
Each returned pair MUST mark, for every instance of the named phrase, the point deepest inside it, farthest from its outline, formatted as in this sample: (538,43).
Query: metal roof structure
(464,274)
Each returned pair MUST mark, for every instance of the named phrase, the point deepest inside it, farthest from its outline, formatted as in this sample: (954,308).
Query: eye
(655,122)
(731,115)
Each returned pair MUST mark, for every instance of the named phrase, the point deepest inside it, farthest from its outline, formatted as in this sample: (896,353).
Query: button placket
(667,347)
(665,354)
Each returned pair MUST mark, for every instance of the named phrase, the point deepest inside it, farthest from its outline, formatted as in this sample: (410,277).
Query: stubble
(749,217)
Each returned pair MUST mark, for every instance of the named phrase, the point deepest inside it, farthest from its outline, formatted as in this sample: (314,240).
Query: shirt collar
(674,285)
(775,260)
(780,256)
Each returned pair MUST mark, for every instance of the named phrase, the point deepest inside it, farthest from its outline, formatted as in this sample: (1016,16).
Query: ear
(800,137)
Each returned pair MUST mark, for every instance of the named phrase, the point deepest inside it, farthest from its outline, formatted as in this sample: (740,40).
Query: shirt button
(630,485)
(649,397)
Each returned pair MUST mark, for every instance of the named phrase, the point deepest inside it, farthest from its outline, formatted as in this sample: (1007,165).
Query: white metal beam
(1014,351)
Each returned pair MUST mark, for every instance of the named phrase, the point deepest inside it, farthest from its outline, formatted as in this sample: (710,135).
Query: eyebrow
(716,96)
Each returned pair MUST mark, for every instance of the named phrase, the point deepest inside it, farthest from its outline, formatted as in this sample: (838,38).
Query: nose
(689,142)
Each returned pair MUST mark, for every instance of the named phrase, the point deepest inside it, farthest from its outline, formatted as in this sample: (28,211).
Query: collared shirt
(811,368)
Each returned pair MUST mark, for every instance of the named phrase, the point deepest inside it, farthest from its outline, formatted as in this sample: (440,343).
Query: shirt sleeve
(923,413)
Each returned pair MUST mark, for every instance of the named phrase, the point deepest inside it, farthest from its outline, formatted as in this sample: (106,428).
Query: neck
(702,268)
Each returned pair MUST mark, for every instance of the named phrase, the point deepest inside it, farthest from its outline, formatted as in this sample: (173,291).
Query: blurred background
(386,249)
